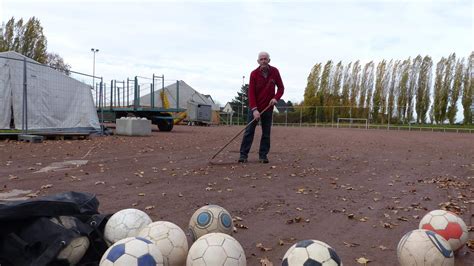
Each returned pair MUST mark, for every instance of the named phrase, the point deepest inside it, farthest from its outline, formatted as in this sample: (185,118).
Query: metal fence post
(24,126)
(152,95)
(101,105)
(177,94)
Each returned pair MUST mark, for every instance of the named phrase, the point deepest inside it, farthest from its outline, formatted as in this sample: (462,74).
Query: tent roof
(186,94)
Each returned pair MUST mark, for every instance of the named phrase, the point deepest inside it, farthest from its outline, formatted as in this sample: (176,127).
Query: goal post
(351,121)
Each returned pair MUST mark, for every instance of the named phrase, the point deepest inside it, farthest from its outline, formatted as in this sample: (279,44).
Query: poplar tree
(423,90)
(438,91)
(455,91)
(468,90)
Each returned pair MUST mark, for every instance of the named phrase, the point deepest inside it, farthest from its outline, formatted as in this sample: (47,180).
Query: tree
(403,90)
(25,38)
(240,102)
(423,90)
(58,63)
(367,83)
(468,90)
(346,89)
(447,86)
(355,84)
(323,95)
(455,91)
(310,92)
(377,99)
(392,89)
(438,91)
(413,84)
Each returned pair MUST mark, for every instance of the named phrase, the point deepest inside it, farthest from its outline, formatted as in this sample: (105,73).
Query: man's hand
(256,115)
(273,101)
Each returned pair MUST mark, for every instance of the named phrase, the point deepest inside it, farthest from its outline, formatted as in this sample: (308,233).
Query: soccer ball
(423,247)
(76,249)
(125,223)
(311,252)
(448,225)
(170,239)
(216,249)
(132,251)
(210,219)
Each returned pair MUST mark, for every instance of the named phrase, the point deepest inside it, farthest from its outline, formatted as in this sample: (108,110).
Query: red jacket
(262,90)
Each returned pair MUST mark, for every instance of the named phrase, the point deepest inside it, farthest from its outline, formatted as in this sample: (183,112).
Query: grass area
(10,131)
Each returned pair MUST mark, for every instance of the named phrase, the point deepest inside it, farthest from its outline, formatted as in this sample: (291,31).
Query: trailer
(123,100)
(199,114)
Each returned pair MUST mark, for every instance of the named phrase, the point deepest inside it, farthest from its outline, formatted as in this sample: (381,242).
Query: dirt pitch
(357,190)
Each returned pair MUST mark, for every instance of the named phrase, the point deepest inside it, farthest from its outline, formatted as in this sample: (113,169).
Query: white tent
(55,100)
(186,94)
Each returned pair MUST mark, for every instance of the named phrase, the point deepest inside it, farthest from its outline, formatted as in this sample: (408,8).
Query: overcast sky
(211,45)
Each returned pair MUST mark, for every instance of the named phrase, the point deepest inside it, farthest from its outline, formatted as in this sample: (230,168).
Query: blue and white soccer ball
(210,219)
(311,252)
(423,247)
(132,251)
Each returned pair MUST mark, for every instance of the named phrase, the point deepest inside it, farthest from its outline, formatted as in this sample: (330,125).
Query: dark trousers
(266,122)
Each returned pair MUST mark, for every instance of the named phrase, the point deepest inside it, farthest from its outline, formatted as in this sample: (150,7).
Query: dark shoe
(264,160)
(242,160)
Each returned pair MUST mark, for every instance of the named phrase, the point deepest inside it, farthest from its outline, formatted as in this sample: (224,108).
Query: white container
(133,127)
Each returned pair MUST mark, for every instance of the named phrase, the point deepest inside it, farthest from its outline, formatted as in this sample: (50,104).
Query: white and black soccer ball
(170,239)
(216,249)
(423,247)
(125,223)
(210,219)
(311,252)
(132,251)
(74,250)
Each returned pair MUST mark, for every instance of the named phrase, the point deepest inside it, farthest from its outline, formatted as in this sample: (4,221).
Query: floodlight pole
(93,50)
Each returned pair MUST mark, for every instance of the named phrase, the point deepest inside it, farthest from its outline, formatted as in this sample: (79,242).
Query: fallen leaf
(141,194)
(470,244)
(46,186)
(363,260)
(383,247)
(262,248)
(265,262)
(149,207)
(350,245)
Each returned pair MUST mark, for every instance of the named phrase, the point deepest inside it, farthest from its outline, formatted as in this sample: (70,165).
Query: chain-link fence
(346,117)
(36,97)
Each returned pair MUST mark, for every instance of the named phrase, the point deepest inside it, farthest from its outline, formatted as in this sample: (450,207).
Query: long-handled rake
(240,132)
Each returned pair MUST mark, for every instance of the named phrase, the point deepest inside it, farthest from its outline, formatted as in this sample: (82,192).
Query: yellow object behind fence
(166,105)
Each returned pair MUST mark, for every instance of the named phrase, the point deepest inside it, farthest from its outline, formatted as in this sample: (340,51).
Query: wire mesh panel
(43,98)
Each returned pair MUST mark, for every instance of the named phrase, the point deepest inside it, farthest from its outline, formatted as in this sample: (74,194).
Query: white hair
(264,53)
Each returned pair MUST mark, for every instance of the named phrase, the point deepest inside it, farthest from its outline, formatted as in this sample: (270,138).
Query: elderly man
(261,94)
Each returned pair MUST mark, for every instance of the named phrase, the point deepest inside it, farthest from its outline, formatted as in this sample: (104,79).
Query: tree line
(398,91)
(27,38)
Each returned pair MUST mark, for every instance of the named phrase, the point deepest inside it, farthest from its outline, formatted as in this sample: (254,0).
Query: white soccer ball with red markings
(125,223)
(216,249)
(448,225)
(170,239)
